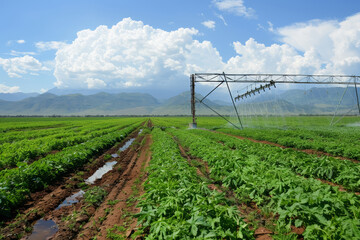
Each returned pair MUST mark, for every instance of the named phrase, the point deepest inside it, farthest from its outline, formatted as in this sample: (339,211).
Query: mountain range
(293,101)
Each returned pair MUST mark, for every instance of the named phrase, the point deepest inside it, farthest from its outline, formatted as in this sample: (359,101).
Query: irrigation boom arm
(278,78)
(270,79)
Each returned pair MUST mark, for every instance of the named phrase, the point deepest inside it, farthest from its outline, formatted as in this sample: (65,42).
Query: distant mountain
(16,96)
(302,101)
(312,96)
(221,102)
(180,105)
(158,93)
(100,103)
(315,96)
(290,102)
(107,104)
(60,91)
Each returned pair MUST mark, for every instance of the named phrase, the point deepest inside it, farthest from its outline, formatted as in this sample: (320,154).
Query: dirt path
(118,217)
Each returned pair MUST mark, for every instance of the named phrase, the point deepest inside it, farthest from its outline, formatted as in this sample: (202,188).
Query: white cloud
(18,66)
(94,83)
(132,54)
(236,7)
(254,57)
(222,19)
(7,89)
(314,47)
(271,26)
(16,53)
(311,35)
(21,41)
(43,90)
(52,45)
(209,24)
(336,43)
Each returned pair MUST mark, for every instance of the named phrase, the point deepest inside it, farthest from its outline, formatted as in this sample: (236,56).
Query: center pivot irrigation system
(269,80)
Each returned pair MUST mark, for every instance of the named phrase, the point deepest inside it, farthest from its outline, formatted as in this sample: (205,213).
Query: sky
(153,46)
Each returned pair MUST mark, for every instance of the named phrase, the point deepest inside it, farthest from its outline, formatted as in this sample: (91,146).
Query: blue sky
(157,43)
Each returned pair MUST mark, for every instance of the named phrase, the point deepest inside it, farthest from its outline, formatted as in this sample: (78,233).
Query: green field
(300,179)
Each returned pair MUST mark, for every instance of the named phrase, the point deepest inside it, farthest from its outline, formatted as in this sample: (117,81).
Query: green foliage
(178,205)
(112,202)
(266,178)
(338,141)
(346,173)
(95,195)
(17,183)
(107,157)
(113,233)
(18,148)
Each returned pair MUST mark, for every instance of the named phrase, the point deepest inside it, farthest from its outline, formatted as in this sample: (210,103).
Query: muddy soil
(43,204)
(117,217)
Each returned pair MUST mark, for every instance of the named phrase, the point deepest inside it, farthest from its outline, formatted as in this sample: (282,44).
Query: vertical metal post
(192,92)
(357,95)
(237,114)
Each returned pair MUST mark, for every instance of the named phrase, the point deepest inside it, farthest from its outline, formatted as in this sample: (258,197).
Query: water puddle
(43,229)
(356,124)
(115,155)
(140,131)
(100,172)
(72,199)
(127,145)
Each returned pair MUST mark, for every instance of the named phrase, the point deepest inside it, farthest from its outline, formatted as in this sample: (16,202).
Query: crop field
(153,178)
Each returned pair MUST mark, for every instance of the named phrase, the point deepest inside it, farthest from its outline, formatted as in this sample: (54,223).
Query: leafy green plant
(95,195)
(16,184)
(265,180)
(107,157)
(113,202)
(178,205)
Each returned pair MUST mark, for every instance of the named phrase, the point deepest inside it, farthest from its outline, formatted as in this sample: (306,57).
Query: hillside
(100,103)
(292,102)
(16,96)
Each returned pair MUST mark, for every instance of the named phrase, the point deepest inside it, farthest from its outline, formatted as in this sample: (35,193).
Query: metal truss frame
(268,79)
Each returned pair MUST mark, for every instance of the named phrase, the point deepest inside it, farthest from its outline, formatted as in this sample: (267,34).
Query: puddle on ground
(126,145)
(140,131)
(72,199)
(43,229)
(100,172)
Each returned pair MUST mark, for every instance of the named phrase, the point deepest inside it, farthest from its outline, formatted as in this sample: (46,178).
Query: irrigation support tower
(267,79)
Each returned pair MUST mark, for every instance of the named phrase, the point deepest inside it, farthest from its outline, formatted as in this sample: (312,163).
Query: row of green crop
(69,126)
(344,172)
(346,144)
(325,212)
(10,126)
(58,133)
(25,150)
(339,141)
(17,183)
(31,134)
(178,205)
(14,136)
(183,122)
